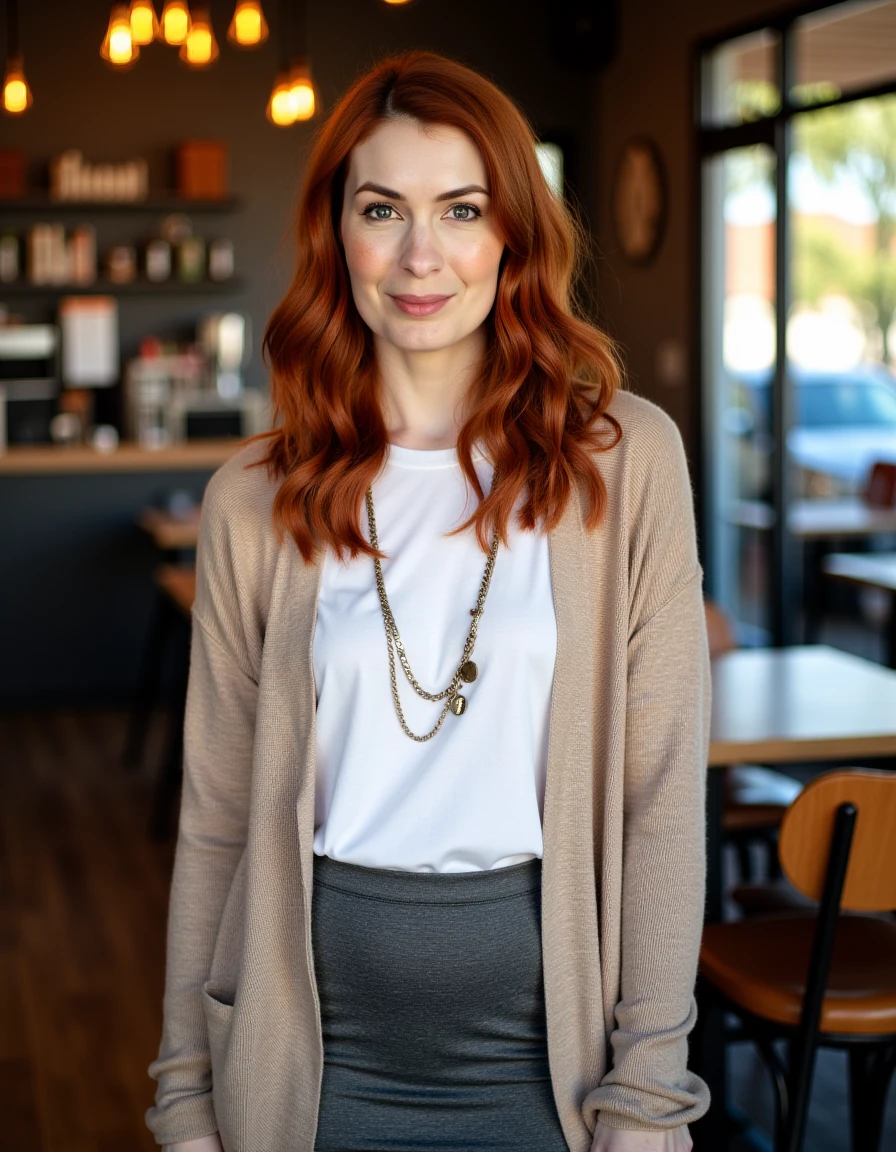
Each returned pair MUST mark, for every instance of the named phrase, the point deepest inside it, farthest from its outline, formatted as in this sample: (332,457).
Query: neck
(424,394)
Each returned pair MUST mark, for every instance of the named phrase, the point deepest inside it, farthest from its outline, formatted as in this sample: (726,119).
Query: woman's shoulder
(242,481)
(645,425)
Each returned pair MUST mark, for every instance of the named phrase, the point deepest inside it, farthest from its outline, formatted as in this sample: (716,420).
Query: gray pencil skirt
(432,1009)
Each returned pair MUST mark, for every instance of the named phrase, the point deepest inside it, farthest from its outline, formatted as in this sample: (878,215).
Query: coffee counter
(76,587)
(47,460)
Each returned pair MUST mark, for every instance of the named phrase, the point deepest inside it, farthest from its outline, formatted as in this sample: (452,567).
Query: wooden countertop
(45,459)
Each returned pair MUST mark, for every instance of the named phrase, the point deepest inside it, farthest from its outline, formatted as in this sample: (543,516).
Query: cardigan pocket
(219,1022)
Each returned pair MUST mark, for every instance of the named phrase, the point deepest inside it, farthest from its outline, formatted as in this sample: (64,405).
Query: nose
(420,254)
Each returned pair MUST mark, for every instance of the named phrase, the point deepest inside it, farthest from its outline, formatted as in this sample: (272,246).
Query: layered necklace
(466,671)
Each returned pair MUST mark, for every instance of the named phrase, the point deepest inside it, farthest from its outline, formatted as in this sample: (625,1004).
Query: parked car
(843,422)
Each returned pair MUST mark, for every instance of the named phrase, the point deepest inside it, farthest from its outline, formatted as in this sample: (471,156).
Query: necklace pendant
(458,705)
(469,672)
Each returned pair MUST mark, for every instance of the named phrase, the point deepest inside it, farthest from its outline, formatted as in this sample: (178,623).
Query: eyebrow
(391,194)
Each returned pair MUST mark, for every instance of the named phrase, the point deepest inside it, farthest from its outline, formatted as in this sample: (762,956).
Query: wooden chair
(879,490)
(825,979)
(754,798)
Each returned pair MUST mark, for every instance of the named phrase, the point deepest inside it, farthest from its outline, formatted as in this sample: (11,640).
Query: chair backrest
(718,629)
(805,839)
(880,486)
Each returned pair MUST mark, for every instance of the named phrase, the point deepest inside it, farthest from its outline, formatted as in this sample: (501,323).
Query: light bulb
(16,93)
(301,89)
(200,47)
(248,26)
(280,108)
(175,22)
(397,2)
(118,46)
(144,25)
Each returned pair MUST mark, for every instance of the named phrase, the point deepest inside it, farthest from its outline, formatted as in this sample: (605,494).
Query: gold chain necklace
(466,671)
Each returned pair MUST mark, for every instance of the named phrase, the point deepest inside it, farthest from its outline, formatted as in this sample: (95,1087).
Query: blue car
(844,421)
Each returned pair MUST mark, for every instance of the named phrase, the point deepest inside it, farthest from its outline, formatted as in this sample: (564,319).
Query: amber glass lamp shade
(248,26)
(280,109)
(396,3)
(301,89)
(144,25)
(200,47)
(16,93)
(175,22)
(118,45)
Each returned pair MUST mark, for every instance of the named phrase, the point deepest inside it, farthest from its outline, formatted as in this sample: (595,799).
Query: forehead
(416,159)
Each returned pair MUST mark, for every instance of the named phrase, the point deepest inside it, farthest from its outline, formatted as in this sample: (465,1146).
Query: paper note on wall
(89,341)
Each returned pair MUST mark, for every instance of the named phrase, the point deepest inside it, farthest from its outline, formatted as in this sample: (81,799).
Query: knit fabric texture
(623,871)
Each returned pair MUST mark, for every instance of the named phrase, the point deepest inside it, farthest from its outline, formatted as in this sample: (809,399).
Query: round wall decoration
(639,200)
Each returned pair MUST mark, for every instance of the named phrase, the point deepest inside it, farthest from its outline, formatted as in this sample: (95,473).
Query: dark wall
(74,572)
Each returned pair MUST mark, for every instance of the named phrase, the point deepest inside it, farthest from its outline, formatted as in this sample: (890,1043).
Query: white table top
(874,569)
(774,705)
(814,519)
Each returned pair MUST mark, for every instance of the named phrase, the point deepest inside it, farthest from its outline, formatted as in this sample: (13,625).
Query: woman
(447,891)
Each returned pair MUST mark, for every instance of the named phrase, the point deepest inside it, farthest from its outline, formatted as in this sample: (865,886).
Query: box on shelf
(13,174)
(202,169)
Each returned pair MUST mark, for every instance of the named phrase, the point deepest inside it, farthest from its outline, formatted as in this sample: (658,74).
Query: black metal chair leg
(744,860)
(869,1078)
(148,680)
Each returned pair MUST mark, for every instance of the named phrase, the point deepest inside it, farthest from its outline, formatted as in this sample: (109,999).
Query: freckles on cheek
(364,256)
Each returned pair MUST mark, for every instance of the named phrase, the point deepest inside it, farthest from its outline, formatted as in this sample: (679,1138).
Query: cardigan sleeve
(649,1085)
(212,829)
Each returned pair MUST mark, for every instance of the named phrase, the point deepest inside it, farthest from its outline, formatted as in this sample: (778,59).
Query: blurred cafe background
(735,166)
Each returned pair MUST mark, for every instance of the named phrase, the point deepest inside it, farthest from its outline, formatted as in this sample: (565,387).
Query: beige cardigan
(623,870)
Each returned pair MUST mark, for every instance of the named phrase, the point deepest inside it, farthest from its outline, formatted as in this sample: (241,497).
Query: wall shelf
(136,288)
(36,204)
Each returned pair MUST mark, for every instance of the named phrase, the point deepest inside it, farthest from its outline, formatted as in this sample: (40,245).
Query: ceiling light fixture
(200,49)
(175,22)
(16,96)
(248,28)
(118,45)
(293,97)
(144,24)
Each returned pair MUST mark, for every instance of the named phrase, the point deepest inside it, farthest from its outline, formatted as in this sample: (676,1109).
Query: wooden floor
(83,898)
(82,936)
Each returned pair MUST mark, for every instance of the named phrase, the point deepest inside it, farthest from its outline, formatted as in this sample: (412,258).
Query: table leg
(891,634)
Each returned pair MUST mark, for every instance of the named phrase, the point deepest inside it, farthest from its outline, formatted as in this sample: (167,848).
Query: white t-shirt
(472,797)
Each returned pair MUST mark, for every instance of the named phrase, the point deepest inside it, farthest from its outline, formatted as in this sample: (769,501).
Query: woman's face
(420,240)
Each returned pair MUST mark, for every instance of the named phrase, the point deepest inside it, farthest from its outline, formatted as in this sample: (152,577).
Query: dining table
(810,705)
(876,570)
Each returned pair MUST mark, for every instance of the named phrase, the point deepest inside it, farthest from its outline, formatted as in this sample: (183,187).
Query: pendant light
(293,97)
(396,3)
(301,84)
(118,46)
(200,49)
(144,25)
(16,93)
(175,22)
(248,28)
(301,89)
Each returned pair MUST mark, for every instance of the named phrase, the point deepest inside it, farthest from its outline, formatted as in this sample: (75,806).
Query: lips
(419,305)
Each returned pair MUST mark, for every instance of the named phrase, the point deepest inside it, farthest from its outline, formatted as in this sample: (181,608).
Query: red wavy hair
(537,405)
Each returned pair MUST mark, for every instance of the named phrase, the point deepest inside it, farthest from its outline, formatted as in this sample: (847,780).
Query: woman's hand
(624,1140)
(203,1144)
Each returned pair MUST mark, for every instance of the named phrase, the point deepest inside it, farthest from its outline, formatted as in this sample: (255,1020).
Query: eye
(380,212)
(463,212)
